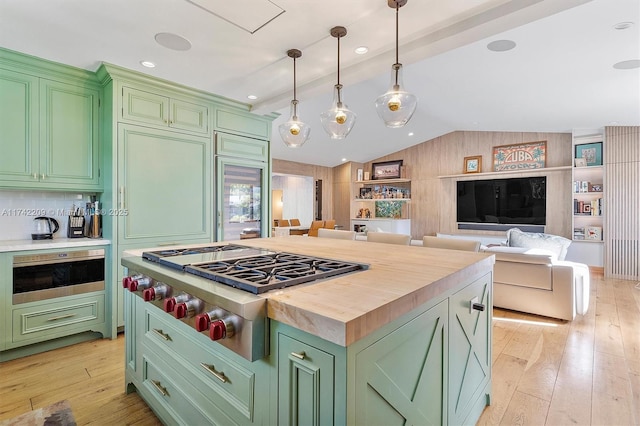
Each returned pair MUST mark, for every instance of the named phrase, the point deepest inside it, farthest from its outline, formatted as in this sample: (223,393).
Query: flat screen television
(510,201)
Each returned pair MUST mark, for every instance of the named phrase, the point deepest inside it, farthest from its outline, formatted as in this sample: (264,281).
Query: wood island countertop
(347,308)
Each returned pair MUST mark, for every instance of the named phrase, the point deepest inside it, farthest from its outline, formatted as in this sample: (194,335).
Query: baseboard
(48,345)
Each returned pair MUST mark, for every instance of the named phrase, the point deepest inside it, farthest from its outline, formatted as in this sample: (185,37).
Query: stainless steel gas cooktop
(252,269)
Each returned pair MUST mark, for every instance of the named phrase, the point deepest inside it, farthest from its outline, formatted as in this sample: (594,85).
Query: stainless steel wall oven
(47,276)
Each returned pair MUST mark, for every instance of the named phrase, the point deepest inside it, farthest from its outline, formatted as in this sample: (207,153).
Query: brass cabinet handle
(161,389)
(218,374)
(35,176)
(299,355)
(43,176)
(165,336)
(61,317)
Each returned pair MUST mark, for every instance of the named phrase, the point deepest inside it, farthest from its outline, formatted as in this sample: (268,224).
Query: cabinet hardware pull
(35,176)
(299,355)
(61,317)
(121,194)
(218,374)
(478,307)
(43,176)
(161,389)
(165,336)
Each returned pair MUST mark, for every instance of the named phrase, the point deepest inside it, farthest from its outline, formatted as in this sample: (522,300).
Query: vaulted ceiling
(560,76)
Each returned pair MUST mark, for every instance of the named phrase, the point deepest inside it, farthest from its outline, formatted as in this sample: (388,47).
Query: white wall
(19,208)
(297,196)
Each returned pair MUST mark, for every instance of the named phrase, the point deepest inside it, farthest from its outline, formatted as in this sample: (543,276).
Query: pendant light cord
(339,86)
(396,66)
(295,97)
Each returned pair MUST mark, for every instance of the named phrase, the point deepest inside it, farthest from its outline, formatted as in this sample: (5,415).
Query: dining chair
(283,222)
(451,243)
(313,229)
(388,238)
(336,234)
(329,224)
(294,222)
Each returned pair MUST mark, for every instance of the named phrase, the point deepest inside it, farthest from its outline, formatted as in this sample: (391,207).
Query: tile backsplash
(19,208)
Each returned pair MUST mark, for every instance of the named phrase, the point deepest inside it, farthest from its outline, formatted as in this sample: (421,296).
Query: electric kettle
(44,228)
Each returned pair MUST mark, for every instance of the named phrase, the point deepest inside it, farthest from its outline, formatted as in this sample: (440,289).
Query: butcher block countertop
(349,307)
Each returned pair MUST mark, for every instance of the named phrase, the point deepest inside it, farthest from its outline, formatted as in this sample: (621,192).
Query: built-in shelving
(529,172)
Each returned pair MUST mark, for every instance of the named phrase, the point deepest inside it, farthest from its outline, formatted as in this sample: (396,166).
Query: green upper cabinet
(237,122)
(164,185)
(140,106)
(50,134)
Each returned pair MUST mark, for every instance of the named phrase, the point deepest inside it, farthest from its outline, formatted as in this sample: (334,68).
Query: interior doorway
(293,196)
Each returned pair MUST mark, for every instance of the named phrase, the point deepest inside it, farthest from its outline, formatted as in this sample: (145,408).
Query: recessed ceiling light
(614,123)
(147,64)
(623,25)
(501,45)
(361,50)
(344,159)
(173,41)
(410,133)
(252,97)
(627,65)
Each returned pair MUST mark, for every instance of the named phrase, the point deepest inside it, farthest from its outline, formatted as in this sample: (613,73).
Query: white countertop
(21,245)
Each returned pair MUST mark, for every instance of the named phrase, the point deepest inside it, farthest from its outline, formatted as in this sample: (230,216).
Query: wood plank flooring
(545,372)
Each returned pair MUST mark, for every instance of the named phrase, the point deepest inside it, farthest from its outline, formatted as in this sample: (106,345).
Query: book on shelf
(578,233)
(593,207)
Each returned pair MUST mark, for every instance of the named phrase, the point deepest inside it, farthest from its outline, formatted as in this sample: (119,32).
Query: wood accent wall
(433,200)
(622,202)
(317,172)
(343,177)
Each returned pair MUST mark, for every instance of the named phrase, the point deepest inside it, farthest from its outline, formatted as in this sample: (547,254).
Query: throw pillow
(554,243)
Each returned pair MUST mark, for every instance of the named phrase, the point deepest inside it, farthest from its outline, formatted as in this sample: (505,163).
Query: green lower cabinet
(400,379)
(305,383)
(470,351)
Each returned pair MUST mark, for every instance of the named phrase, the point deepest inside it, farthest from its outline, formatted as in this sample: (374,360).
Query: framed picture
(360,175)
(366,193)
(590,152)
(472,164)
(386,170)
(580,162)
(522,156)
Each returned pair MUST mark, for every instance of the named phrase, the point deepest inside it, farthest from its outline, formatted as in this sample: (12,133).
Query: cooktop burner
(179,258)
(249,268)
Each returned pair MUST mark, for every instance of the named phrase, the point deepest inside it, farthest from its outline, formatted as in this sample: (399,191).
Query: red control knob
(217,330)
(169,304)
(149,294)
(202,322)
(126,282)
(180,311)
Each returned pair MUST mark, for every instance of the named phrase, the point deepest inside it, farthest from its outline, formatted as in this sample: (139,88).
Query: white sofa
(531,275)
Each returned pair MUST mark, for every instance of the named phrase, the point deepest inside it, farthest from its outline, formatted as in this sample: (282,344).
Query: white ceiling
(559,77)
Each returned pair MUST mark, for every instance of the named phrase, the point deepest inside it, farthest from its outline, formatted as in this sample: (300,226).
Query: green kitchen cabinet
(401,378)
(164,186)
(50,133)
(145,106)
(305,383)
(470,351)
(234,121)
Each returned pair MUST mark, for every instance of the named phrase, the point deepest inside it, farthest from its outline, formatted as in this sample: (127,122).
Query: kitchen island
(405,340)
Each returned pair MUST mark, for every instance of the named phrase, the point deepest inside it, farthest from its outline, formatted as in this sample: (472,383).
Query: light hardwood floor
(545,372)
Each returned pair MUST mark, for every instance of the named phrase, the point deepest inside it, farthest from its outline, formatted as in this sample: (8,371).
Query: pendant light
(396,106)
(294,132)
(338,120)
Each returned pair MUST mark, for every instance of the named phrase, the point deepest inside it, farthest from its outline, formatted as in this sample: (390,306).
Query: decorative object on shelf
(359,175)
(364,213)
(396,106)
(386,170)
(522,156)
(338,120)
(366,193)
(391,209)
(366,175)
(590,152)
(580,162)
(593,233)
(472,164)
(294,132)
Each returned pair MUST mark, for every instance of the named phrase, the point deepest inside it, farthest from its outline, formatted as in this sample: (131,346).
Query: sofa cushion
(554,243)
(522,255)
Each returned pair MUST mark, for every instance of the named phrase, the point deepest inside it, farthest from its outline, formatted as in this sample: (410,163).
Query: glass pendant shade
(396,107)
(339,119)
(294,133)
